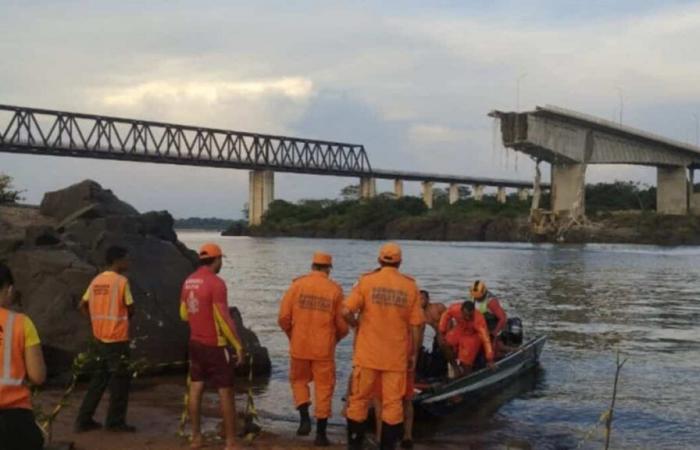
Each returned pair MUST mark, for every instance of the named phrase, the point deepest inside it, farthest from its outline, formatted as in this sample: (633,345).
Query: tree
(464,192)
(350,192)
(7,192)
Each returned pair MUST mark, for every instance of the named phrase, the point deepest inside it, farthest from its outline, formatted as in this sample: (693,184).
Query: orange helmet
(478,290)
(390,253)
(322,259)
(210,250)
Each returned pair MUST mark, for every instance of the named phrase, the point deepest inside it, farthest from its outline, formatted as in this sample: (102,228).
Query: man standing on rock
(310,315)
(390,320)
(109,304)
(204,305)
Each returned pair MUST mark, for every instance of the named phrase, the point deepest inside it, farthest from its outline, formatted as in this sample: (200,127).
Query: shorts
(211,364)
(410,386)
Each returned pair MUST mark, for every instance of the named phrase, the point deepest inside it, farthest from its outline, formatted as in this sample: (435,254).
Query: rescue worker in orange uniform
(204,305)
(489,306)
(21,360)
(311,315)
(468,334)
(390,319)
(109,304)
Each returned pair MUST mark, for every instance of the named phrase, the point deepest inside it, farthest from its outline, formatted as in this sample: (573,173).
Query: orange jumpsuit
(311,315)
(389,305)
(467,337)
(491,305)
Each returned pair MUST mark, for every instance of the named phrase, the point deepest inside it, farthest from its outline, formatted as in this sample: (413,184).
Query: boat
(443,397)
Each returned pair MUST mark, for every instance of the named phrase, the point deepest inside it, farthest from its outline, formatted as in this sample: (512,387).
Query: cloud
(205,91)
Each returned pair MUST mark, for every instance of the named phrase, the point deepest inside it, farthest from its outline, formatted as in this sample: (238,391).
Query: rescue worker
(489,306)
(311,315)
(468,335)
(109,304)
(21,362)
(390,320)
(204,305)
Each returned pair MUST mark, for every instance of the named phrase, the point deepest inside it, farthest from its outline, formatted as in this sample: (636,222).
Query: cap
(478,290)
(390,253)
(323,259)
(210,250)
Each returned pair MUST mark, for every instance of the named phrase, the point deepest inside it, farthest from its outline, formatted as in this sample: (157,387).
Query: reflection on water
(591,300)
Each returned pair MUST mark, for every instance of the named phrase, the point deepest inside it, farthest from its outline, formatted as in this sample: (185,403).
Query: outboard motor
(513,334)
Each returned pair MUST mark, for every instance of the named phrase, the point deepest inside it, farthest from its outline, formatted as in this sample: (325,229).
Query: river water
(591,301)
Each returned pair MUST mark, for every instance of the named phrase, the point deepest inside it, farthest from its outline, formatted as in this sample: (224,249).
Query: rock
(54,259)
(261,358)
(62,203)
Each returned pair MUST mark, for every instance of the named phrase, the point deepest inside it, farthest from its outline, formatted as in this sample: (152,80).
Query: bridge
(58,133)
(570,141)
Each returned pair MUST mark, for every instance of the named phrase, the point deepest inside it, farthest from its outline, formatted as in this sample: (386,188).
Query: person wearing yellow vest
(21,362)
(109,303)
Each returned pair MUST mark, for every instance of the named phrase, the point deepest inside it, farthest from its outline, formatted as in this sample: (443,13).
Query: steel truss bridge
(58,133)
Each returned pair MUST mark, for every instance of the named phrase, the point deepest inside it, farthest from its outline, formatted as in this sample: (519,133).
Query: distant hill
(203,223)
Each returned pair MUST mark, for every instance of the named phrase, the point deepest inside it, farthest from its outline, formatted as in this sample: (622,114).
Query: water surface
(591,301)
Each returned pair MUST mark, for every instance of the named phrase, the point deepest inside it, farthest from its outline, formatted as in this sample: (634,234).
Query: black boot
(356,435)
(321,438)
(391,435)
(304,420)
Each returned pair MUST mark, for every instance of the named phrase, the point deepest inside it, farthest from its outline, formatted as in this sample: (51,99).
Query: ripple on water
(591,300)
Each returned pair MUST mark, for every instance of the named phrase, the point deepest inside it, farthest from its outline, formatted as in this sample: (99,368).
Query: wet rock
(261,359)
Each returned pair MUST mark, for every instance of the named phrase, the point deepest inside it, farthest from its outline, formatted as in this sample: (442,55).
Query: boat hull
(445,398)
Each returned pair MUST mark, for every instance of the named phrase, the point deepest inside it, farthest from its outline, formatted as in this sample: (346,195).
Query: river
(591,300)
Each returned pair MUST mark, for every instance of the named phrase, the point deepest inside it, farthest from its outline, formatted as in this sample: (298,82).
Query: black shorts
(212,365)
(19,431)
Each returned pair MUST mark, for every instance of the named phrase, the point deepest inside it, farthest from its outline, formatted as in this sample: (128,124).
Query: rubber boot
(356,435)
(304,420)
(321,438)
(391,435)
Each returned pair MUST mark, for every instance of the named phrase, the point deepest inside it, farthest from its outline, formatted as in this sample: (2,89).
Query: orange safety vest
(108,312)
(14,393)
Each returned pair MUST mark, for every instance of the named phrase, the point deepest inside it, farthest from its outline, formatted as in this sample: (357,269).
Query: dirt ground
(154,409)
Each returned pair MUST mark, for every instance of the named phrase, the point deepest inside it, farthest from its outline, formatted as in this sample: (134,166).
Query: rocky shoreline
(55,250)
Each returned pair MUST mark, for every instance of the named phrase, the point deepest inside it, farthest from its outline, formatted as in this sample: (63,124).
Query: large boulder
(55,260)
(62,203)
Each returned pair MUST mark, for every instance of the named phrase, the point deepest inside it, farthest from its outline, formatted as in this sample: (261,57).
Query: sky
(412,82)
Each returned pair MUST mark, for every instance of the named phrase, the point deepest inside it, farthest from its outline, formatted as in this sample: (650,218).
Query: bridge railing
(40,131)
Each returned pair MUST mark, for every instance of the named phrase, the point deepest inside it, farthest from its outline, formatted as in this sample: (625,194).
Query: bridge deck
(58,133)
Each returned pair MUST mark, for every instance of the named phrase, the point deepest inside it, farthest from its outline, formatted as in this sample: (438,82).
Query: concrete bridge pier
(523,194)
(672,190)
(428,193)
(398,188)
(260,195)
(501,194)
(368,188)
(478,192)
(454,193)
(569,189)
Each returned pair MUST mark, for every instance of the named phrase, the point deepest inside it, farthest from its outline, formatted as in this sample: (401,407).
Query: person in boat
(433,363)
(464,329)
(490,307)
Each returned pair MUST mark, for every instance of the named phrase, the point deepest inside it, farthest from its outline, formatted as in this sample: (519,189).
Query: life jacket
(483,307)
(108,313)
(13,392)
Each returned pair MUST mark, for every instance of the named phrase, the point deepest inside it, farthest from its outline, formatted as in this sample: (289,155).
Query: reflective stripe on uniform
(6,376)
(113,305)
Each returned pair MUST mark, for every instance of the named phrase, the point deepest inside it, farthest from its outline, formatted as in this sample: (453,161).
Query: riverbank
(468,221)
(155,407)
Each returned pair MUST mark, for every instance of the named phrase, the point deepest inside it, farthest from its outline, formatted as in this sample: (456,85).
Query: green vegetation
(203,223)
(7,192)
(620,196)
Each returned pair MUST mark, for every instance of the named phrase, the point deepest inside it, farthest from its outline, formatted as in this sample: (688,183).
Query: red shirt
(204,299)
